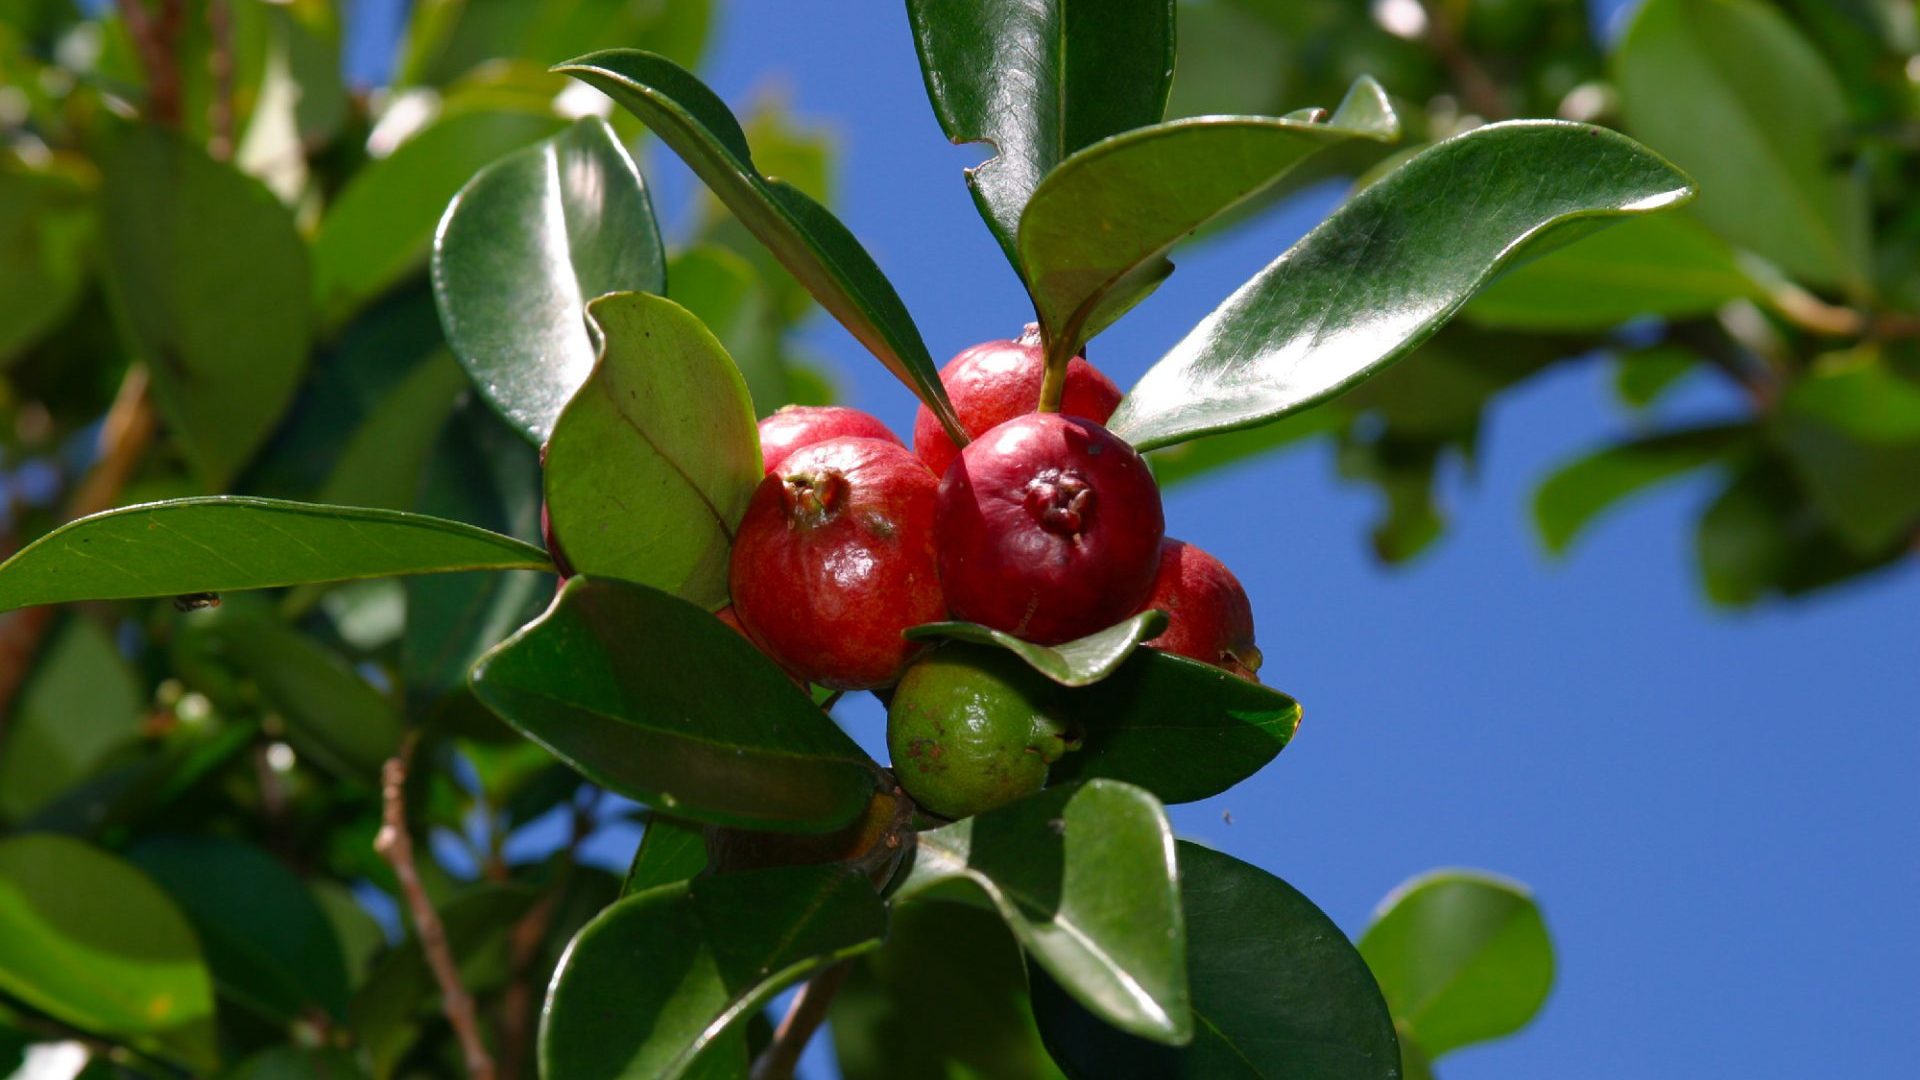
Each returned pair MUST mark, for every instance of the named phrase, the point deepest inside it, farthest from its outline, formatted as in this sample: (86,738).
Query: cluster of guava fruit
(1045,526)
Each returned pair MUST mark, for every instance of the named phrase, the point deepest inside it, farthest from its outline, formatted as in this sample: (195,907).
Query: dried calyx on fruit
(995,381)
(1049,529)
(834,559)
(1209,617)
(972,727)
(795,427)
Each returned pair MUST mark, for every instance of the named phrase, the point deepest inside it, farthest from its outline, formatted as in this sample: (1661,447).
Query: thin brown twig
(155,39)
(524,941)
(804,1017)
(1477,88)
(220,66)
(395,845)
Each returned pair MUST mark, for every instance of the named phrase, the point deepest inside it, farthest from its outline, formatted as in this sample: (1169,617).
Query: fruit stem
(1054,385)
(804,1017)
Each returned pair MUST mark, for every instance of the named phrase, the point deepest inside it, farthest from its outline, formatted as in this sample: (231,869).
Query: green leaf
(451,37)
(1732,92)
(1075,663)
(298,1063)
(1278,992)
(1642,376)
(381,464)
(1462,957)
(723,291)
(89,940)
(1667,265)
(1852,435)
(78,706)
(47,224)
(1580,491)
(223,543)
(652,463)
(1039,81)
(521,250)
(1387,269)
(333,716)
(654,698)
(268,943)
(382,225)
(805,236)
(221,325)
(945,997)
(1179,728)
(1084,876)
(670,850)
(714,951)
(1095,235)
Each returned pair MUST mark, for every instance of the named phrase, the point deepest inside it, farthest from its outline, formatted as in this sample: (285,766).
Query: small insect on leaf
(198,601)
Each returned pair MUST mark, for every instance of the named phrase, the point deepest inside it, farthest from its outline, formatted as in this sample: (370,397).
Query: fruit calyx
(1061,501)
(815,498)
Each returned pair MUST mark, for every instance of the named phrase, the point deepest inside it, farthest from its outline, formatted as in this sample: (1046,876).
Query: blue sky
(1717,812)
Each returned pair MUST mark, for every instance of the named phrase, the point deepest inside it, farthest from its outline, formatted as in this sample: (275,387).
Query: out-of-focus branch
(804,1017)
(1478,90)
(156,38)
(395,845)
(517,1001)
(220,66)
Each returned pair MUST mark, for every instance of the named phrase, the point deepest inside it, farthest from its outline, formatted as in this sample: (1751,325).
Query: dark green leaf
(221,325)
(1667,265)
(805,236)
(89,940)
(1095,235)
(46,225)
(79,705)
(723,291)
(382,225)
(1386,269)
(1076,663)
(1580,491)
(652,697)
(267,941)
(1179,728)
(671,850)
(945,997)
(523,248)
(1084,876)
(298,1063)
(714,951)
(1739,99)
(652,463)
(1462,957)
(380,466)
(1039,81)
(1278,992)
(224,543)
(1852,435)
(1642,376)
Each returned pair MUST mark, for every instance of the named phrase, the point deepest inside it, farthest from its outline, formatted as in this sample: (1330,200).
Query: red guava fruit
(995,381)
(1209,617)
(795,426)
(1049,528)
(835,558)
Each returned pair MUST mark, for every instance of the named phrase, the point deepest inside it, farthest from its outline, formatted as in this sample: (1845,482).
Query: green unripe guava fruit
(971,728)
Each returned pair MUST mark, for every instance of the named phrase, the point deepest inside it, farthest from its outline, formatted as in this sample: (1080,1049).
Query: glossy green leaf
(1732,92)
(78,706)
(1179,728)
(333,716)
(1076,663)
(1039,81)
(1278,992)
(89,940)
(1084,876)
(1577,493)
(221,325)
(224,543)
(267,942)
(714,951)
(1666,265)
(805,236)
(670,850)
(654,698)
(382,225)
(1852,435)
(1095,235)
(523,248)
(652,463)
(47,222)
(1387,269)
(945,997)
(1462,957)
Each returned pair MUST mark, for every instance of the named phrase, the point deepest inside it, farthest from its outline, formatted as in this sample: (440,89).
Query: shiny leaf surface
(670,850)
(522,249)
(654,698)
(652,463)
(1074,663)
(1387,269)
(225,543)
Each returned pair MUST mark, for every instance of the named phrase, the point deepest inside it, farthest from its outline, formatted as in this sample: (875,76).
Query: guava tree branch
(803,1019)
(155,39)
(395,845)
(1478,90)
